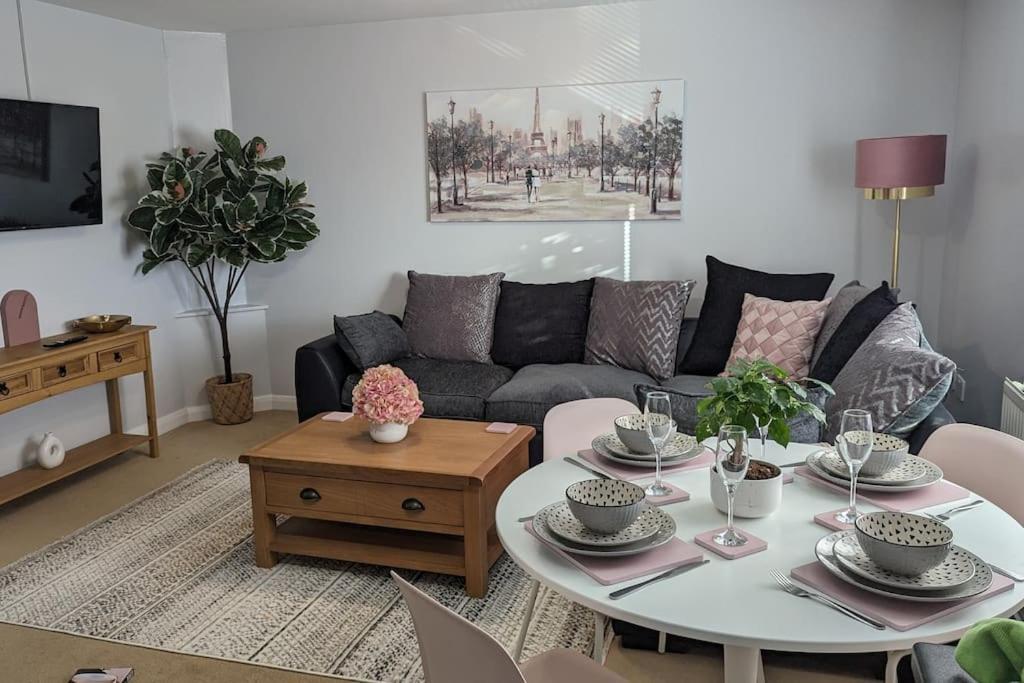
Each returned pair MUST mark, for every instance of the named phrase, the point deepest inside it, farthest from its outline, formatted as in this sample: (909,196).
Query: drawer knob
(413,505)
(117,357)
(3,389)
(62,371)
(312,495)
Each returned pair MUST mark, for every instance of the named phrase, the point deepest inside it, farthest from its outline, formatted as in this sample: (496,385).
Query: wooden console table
(30,373)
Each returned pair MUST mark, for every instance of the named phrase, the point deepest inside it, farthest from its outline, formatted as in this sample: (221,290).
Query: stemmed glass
(762,432)
(854,444)
(658,421)
(732,457)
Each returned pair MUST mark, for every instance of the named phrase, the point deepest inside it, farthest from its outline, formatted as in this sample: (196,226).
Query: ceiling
(248,15)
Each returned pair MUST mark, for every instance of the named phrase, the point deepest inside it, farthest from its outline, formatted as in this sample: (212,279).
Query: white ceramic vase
(50,452)
(754,497)
(389,432)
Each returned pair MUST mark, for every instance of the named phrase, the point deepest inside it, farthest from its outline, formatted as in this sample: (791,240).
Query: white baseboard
(183,416)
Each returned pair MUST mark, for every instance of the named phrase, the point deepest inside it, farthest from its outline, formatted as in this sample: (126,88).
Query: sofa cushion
(541,323)
(635,325)
(857,324)
(447,388)
(892,377)
(781,332)
(685,391)
(844,300)
(720,314)
(370,339)
(451,317)
(535,389)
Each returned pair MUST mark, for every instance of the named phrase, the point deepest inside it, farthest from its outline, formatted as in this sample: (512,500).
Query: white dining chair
(453,650)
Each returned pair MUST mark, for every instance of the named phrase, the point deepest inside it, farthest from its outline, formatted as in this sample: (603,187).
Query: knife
(596,473)
(1006,572)
(676,571)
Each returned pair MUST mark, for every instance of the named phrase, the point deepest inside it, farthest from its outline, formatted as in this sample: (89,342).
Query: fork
(796,590)
(946,514)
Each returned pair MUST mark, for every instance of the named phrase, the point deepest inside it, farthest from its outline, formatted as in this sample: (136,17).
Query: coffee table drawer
(364,498)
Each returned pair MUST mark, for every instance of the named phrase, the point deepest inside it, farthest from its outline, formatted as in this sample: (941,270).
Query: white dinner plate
(956,570)
(562,522)
(678,457)
(979,584)
(678,447)
(818,469)
(909,471)
(666,533)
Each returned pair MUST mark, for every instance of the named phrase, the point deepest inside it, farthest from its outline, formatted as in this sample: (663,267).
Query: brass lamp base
(899,194)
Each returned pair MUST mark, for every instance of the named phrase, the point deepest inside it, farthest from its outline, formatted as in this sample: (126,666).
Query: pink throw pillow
(782,332)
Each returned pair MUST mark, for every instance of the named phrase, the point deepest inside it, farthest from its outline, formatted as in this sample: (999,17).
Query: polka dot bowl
(632,431)
(903,543)
(605,505)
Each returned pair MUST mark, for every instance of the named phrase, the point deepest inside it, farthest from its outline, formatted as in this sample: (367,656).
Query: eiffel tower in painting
(537,145)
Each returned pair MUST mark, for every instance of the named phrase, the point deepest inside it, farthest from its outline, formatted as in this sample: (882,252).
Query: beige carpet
(34,655)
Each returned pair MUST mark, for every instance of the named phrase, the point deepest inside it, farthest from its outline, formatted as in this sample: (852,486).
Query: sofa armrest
(938,418)
(320,372)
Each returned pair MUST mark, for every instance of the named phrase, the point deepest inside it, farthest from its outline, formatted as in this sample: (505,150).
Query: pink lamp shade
(909,161)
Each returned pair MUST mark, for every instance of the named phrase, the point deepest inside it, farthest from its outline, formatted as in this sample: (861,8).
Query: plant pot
(754,497)
(389,432)
(230,404)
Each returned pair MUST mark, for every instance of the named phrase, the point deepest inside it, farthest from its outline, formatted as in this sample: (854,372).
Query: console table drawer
(16,385)
(67,370)
(364,498)
(120,355)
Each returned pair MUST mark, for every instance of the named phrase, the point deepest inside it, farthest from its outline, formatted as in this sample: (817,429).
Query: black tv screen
(49,165)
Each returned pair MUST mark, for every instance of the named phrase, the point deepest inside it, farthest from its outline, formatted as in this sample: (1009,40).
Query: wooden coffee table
(426,503)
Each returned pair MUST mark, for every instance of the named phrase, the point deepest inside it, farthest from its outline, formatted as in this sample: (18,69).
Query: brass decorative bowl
(96,324)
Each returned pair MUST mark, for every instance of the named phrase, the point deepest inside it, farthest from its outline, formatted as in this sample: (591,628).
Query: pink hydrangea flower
(386,394)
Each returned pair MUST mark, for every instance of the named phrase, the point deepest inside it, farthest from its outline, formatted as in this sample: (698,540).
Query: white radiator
(1013,408)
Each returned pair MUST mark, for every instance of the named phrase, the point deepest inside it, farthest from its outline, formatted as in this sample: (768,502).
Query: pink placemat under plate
(904,501)
(898,614)
(609,570)
(753,544)
(628,473)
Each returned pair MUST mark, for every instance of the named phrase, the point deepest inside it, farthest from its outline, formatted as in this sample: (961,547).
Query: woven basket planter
(231,404)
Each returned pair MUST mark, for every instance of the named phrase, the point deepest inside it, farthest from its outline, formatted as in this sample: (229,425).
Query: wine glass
(762,432)
(732,457)
(658,421)
(854,444)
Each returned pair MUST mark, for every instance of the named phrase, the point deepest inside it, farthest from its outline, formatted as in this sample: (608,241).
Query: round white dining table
(735,602)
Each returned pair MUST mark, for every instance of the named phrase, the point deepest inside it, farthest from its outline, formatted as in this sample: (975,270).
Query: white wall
(777,92)
(982,325)
(79,58)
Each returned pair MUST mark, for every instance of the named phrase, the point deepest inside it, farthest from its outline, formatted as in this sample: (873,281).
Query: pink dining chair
(570,427)
(455,651)
(988,462)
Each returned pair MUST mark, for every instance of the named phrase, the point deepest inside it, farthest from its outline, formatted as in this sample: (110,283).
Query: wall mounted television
(49,165)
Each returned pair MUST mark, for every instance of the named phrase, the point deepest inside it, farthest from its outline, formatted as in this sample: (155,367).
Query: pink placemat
(609,570)
(753,544)
(628,473)
(901,615)
(336,416)
(829,521)
(904,501)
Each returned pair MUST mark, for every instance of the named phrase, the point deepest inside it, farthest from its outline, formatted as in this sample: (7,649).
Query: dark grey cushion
(451,317)
(536,389)
(370,339)
(937,664)
(541,323)
(685,391)
(447,388)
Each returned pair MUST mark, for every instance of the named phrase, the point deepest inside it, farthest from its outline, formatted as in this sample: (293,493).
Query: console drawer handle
(312,495)
(62,371)
(413,505)
(3,389)
(117,357)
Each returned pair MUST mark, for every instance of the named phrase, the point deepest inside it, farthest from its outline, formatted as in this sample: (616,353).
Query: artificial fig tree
(222,210)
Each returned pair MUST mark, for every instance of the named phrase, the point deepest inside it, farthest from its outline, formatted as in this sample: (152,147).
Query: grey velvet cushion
(535,389)
(685,391)
(892,376)
(845,299)
(635,325)
(931,663)
(370,339)
(447,388)
(451,317)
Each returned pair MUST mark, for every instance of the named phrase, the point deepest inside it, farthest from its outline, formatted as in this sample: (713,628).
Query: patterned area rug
(174,571)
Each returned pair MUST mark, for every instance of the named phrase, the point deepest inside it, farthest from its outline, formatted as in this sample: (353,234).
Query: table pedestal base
(743,665)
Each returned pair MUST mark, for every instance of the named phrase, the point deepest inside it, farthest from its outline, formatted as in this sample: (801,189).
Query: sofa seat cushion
(536,389)
(448,388)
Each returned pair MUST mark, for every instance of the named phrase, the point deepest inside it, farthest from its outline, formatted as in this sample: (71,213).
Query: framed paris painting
(602,151)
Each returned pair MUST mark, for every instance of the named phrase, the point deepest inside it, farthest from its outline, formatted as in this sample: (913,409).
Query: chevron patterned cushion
(635,325)
(782,332)
(892,377)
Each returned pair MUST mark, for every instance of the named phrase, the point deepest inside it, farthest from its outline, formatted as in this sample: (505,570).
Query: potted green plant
(216,214)
(760,397)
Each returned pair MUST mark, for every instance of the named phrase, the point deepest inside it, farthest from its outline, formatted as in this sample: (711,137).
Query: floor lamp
(900,168)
